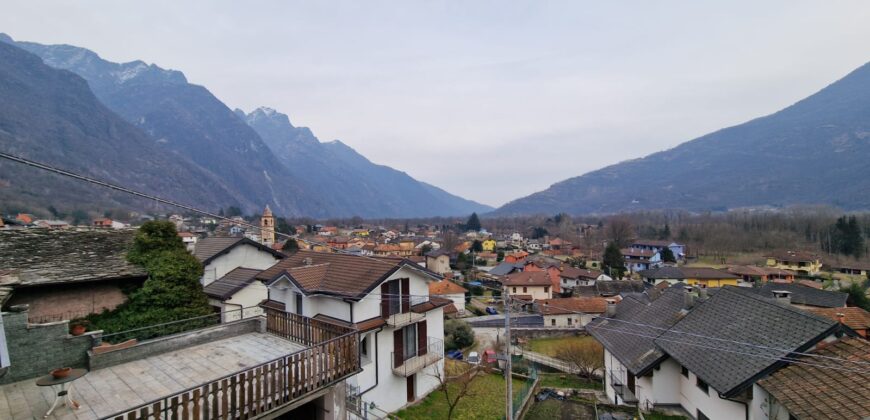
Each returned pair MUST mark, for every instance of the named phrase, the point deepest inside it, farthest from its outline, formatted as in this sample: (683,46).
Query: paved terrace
(106,391)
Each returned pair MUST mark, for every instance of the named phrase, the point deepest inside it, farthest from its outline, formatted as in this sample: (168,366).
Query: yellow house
(709,277)
(528,285)
(489,245)
(799,261)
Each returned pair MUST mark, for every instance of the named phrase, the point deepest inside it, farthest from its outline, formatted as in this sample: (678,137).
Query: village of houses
(358,321)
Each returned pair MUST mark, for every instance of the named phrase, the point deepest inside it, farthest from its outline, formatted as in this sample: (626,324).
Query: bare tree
(456,383)
(587,356)
(619,230)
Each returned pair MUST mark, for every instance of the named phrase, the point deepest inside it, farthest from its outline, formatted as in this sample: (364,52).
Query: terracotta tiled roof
(445,287)
(523,297)
(433,303)
(793,256)
(527,278)
(560,306)
(450,309)
(273,304)
(827,391)
(854,317)
(339,274)
(226,286)
(370,324)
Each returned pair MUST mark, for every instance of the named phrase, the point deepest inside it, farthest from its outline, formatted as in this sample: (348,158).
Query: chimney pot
(688,301)
(841,317)
(610,310)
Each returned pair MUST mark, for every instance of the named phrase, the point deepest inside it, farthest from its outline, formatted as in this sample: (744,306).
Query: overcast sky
(488,100)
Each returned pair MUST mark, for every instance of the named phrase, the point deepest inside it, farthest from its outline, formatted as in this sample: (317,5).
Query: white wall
(693,398)
(661,386)
(537,292)
(765,407)
(561,320)
(244,255)
(249,297)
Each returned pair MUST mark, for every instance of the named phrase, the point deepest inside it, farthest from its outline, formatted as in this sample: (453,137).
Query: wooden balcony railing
(301,329)
(330,358)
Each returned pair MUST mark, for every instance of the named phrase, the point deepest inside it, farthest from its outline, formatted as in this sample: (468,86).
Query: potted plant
(78,327)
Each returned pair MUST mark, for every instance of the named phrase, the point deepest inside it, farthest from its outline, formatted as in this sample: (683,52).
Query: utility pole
(507,364)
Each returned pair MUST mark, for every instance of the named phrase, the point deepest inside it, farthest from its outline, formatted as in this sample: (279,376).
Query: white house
(706,358)
(572,277)
(189,239)
(238,294)
(438,261)
(449,290)
(572,312)
(220,255)
(387,300)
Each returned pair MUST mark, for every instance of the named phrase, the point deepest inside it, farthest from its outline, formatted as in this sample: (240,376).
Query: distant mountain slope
(348,180)
(295,174)
(188,120)
(816,151)
(52,116)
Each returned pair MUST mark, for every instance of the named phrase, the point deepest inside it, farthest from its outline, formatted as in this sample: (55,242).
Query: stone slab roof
(826,391)
(35,257)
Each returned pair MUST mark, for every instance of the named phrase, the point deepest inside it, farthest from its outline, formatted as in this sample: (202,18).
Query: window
(394,291)
(570,321)
(546,289)
(364,348)
(525,289)
(702,416)
(298,303)
(410,344)
(552,322)
(702,385)
(685,371)
(515,290)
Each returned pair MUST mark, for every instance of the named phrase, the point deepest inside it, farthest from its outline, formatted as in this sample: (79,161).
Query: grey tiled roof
(34,257)
(736,336)
(804,295)
(616,287)
(504,268)
(632,344)
(226,286)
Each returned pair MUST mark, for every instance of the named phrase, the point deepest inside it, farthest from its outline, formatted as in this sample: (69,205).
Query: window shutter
(406,295)
(398,348)
(385,300)
(421,338)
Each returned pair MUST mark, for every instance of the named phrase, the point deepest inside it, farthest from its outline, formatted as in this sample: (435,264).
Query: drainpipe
(377,369)
(745,406)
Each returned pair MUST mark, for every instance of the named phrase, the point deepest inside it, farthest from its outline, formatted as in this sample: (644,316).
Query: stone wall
(174,342)
(36,349)
(530,333)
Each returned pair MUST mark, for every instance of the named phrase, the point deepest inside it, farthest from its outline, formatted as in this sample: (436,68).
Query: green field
(565,380)
(486,401)
(551,345)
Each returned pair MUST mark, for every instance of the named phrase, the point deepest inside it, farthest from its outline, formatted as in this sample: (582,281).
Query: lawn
(487,401)
(556,380)
(550,345)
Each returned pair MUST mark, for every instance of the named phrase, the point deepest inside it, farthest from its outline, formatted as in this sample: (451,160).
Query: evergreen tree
(666,232)
(290,245)
(477,246)
(614,262)
(172,290)
(668,255)
(473,223)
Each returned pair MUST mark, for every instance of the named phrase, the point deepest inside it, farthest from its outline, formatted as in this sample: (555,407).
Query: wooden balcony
(433,352)
(331,354)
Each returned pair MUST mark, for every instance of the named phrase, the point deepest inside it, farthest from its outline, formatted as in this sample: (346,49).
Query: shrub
(457,334)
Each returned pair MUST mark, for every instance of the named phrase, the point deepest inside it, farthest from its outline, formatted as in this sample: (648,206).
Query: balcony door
(410,341)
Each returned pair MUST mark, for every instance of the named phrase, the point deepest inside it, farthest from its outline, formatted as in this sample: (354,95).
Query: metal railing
(400,319)
(425,356)
(260,389)
(181,325)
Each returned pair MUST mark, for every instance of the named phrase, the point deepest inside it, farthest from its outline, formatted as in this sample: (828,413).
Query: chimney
(308,261)
(782,296)
(841,317)
(688,301)
(610,309)
(702,293)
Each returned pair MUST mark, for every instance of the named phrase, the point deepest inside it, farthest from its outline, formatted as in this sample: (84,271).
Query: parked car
(491,310)
(454,354)
(473,358)
(489,356)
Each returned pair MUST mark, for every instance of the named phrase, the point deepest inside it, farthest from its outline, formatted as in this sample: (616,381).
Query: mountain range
(813,152)
(250,160)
